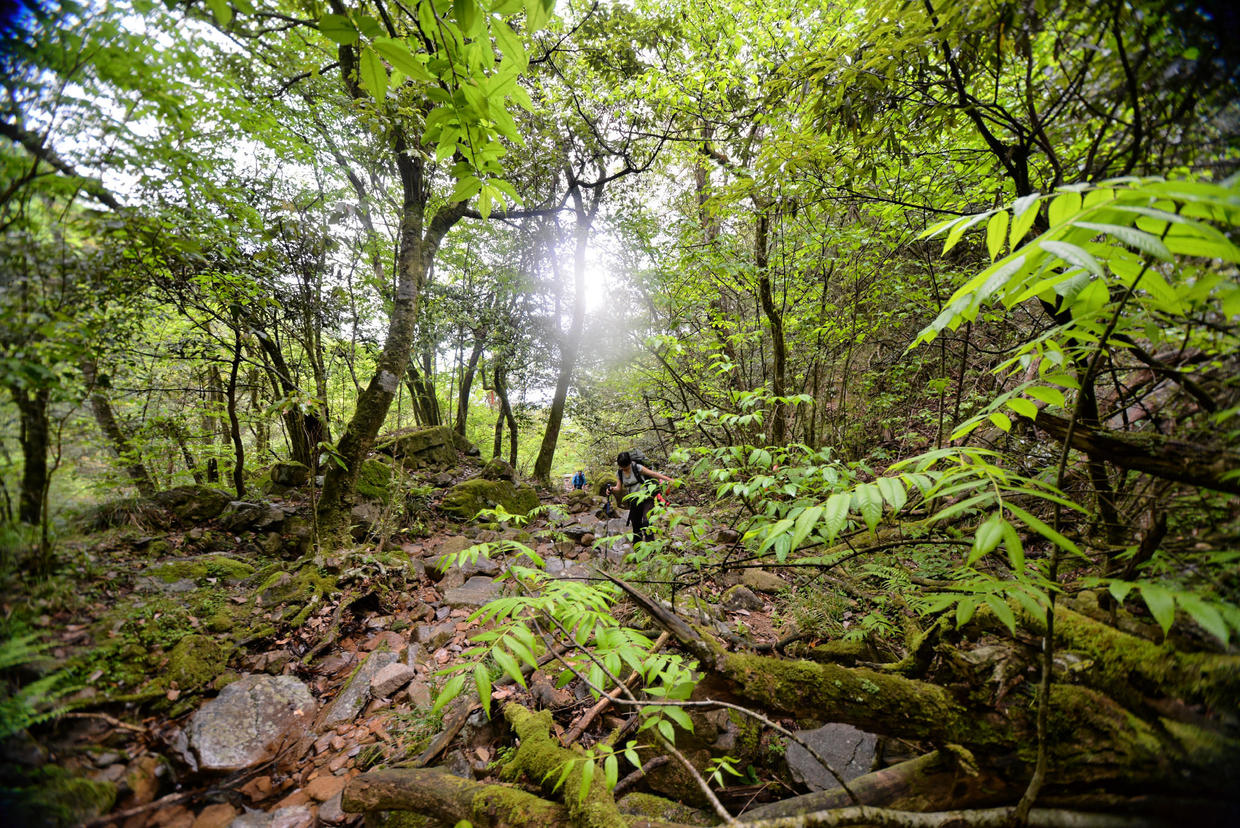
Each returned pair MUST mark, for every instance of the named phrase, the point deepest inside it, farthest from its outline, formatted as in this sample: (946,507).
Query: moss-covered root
(450,799)
(541,759)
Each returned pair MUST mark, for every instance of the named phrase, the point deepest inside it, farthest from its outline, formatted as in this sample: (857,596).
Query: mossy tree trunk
(118,441)
(34,439)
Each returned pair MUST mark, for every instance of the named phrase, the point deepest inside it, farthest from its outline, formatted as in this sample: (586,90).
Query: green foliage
(30,704)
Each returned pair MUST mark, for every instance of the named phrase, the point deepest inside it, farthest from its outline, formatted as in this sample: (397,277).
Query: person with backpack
(630,485)
(579,480)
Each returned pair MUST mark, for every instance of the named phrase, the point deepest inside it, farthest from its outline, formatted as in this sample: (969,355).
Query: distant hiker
(579,479)
(630,485)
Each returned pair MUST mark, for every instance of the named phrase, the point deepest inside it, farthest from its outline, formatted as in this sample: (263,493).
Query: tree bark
(234,424)
(34,439)
(306,429)
(779,353)
(467,383)
(124,450)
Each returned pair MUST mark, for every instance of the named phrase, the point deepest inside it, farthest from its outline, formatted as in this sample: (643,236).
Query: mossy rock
(195,662)
(54,797)
(498,469)
(375,479)
(466,499)
(211,566)
(658,809)
(193,503)
(298,588)
(421,447)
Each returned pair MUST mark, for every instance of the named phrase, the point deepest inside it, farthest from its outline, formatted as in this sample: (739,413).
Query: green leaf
(482,681)
(466,14)
(373,74)
(1147,243)
(536,15)
(893,492)
(835,515)
(1206,616)
(1001,420)
(401,57)
(680,717)
(1044,530)
(1046,394)
(222,12)
(1161,603)
(1002,611)
(1073,254)
(449,692)
(804,525)
(465,188)
(587,776)
(773,534)
(965,610)
(1119,590)
(509,665)
(996,233)
(1023,407)
(339,28)
(959,229)
(1025,211)
(1015,549)
(1063,207)
(611,771)
(510,44)
(869,502)
(987,537)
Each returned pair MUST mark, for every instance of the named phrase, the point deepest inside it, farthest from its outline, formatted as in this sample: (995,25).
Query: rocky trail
(263,691)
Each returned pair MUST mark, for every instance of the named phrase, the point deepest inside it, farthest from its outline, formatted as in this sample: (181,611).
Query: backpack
(639,457)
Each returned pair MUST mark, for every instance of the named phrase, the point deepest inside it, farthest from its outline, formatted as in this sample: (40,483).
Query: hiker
(579,480)
(629,486)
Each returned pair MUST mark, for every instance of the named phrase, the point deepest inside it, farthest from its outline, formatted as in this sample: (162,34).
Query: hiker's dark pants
(639,516)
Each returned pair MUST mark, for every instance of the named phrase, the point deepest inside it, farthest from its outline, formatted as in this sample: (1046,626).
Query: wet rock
(354,695)
(193,503)
(443,480)
(475,592)
(244,725)
(385,683)
(290,474)
(740,597)
(759,580)
(849,751)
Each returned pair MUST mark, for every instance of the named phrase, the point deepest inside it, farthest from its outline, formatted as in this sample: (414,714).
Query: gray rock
(295,816)
(251,819)
(385,683)
(727,536)
(576,531)
(244,724)
(498,469)
(759,580)
(618,525)
(193,503)
(558,567)
(354,695)
(740,597)
(364,518)
(451,546)
(420,694)
(849,751)
(290,474)
(416,656)
(434,636)
(332,812)
(242,516)
(475,592)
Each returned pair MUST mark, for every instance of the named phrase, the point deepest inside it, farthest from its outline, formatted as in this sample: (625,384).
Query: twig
(112,720)
(602,704)
(636,776)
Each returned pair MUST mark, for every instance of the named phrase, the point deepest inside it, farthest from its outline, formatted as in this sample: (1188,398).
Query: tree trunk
(34,439)
(779,354)
(234,424)
(571,344)
(111,428)
(422,390)
(467,383)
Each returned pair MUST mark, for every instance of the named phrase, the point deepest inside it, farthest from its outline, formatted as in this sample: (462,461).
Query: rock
(391,678)
(419,694)
(759,580)
(498,469)
(421,447)
(482,565)
(577,531)
(586,540)
(394,641)
(219,815)
(740,597)
(475,592)
(252,819)
(290,474)
(443,480)
(323,788)
(849,751)
(143,775)
(654,807)
(727,536)
(617,526)
(434,636)
(332,812)
(193,503)
(297,816)
(558,567)
(364,519)
(467,498)
(242,516)
(354,695)
(244,725)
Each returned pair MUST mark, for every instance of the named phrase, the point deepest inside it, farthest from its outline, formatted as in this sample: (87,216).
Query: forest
(912,328)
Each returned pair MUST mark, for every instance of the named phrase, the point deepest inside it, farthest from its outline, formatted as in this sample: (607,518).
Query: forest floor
(156,628)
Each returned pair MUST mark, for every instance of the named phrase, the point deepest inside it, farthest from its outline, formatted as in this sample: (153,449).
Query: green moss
(195,662)
(466,499)
(199,569)
(375,479)
(51,796)
(658,809)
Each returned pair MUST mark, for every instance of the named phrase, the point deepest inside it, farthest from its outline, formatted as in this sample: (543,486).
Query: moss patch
(198,569)
(51,796)
(466,499)
(195,662)
(375,479)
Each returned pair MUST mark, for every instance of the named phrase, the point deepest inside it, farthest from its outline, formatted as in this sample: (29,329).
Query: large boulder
(498,468)
(849,751)
(290,474)
(242,516)
(467,498)
(246,723)
(193,503)
(421,447)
